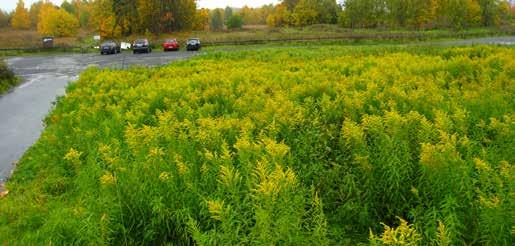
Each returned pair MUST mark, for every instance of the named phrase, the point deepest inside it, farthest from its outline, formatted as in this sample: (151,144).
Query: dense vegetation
(426,14)
(7,78)
(329,145)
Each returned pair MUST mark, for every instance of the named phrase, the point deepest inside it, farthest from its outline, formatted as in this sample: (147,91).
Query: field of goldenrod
(334,145)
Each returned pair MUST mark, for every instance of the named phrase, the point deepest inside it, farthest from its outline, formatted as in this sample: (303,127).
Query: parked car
(193,44)
(171,44)
(141,45)
(109,47)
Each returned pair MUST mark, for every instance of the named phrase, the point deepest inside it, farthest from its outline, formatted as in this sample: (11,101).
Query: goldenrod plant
(329,145)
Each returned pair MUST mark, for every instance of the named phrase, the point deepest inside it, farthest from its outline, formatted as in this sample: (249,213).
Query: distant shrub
(234,22)
(7,78)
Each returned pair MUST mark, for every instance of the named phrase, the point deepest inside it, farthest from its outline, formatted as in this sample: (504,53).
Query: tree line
(126,17)
(425,14)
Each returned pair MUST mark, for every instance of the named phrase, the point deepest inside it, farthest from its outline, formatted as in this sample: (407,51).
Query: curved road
(45,77)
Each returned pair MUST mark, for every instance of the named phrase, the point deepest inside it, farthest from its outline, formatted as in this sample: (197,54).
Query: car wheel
(133,52)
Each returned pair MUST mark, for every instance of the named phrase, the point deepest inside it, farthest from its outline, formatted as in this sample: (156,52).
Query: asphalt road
(45,78)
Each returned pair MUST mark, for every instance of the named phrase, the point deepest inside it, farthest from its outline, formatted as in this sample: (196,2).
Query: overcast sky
(9,5)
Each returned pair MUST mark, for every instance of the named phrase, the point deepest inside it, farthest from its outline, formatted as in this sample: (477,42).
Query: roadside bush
(7,78)
(320,146)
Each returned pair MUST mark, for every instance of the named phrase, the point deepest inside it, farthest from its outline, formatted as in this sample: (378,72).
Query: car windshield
(170,41)
(108,43)
(140,41)
(193,41)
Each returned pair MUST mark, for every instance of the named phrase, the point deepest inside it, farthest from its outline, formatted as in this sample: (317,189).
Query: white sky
(8,5)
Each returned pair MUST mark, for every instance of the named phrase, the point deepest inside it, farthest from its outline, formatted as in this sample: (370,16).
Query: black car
(141,45)
(109,47)
(193,44)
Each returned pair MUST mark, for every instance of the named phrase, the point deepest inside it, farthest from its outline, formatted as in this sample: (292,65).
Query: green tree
(488,11)
(227,13)
(217,20)
(234,22)
(4,18)
(328,11)
(363,13)
(20,19)
(68,7)
(290,4)
(305,13)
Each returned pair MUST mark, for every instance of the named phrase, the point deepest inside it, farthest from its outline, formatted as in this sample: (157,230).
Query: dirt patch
(3,191)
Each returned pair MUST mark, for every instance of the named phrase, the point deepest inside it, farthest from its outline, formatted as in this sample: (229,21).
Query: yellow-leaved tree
(201,21)
(56,22)
(21,19)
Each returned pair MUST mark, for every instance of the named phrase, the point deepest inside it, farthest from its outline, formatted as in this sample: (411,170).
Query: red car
(171,44)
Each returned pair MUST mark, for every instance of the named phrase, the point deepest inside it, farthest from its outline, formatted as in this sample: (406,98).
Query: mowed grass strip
(328,145)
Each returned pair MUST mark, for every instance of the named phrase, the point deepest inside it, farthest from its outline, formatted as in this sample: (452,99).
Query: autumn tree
(102,18)
(20,19)
(125,13)
(505,12)
(264,12)
(56,22)
(201,21)
(34,13)
(281,16)
(473,13)
(290,4)
(305,13)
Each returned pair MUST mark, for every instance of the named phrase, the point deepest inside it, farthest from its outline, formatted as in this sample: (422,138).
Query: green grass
(278,146)
(7,78)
